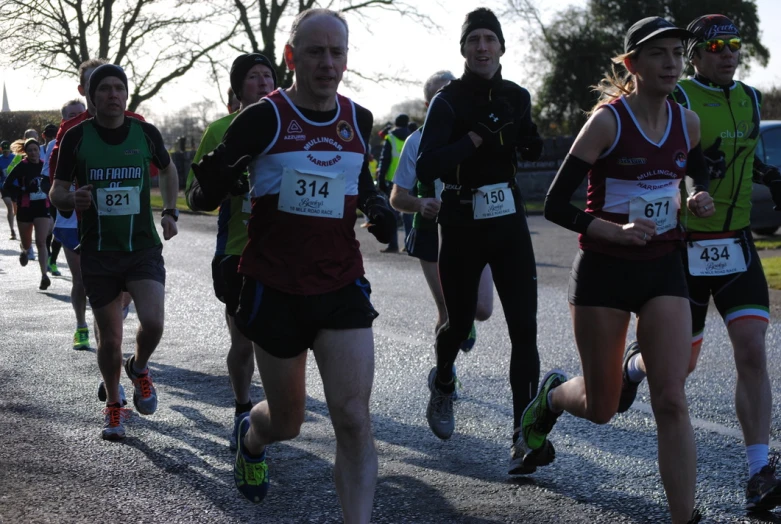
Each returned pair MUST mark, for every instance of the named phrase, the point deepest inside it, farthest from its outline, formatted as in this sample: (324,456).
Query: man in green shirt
(109,157)
(722,260)
(252,77)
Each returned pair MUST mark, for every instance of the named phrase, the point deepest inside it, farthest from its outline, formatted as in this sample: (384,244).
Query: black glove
(217,178)
(381,218)
(530,146)
(496,123)
(714,160)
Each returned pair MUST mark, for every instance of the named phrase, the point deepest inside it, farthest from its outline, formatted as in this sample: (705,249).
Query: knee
(750,358)
(152,326)
(286,425)
(351,420)
(669,401)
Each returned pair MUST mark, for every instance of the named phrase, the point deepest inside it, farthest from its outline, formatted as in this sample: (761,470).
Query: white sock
(756,455)
(550,403)
(633,371)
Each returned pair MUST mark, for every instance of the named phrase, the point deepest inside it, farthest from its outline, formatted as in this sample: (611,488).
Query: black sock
(243,408)
(49,243)
(114,405)
(55,251)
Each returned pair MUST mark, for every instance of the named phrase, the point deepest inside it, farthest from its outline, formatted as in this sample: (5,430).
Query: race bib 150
(493,201)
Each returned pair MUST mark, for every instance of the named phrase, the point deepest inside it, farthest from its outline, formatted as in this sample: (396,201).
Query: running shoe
(31,253)
(53,269)
(13,235)
(628,388)
(537,419)
(113,418)
(23,257)
(45,283)
(144,393)
(524,460)
(440,409)
(249,473)
(234,435)
(81,338)
(696,517)
(469,343)
(102,395)
(763,491)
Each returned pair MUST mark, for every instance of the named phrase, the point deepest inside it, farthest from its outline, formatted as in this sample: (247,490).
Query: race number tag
(246,204)
(38,195)
(493,201)
(316,194)
(663,211)
(119,201)
(712,258)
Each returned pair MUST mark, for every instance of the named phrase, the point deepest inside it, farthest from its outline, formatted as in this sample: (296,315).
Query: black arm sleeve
(366,190)
(697,177)
(437,156)
(154,140)
(558,208)
(764,173)
(250,133)
(69,147)
(386,158)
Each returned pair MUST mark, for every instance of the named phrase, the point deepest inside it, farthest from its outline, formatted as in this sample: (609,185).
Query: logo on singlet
(295,132)
(627,161)
(294,127)
(345,131)
(680,159)
(131,152)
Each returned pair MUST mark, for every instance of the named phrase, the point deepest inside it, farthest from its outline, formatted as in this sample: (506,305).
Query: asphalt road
(175,466)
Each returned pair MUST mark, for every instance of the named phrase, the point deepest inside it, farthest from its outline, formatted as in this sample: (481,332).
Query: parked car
(764,220)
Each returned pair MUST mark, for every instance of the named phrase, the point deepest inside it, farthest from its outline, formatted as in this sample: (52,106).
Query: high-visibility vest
(396,145)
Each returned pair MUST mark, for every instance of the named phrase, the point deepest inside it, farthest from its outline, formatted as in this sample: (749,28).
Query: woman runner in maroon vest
(636,148)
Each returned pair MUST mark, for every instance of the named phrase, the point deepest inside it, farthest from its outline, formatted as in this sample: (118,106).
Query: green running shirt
(234,211)
(120,218)
(735,119)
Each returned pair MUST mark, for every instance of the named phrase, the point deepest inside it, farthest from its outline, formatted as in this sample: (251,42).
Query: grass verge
(156,201)
(772,267)
(773,242)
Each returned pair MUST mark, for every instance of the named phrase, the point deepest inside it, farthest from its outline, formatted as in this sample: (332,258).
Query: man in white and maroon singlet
(305,149)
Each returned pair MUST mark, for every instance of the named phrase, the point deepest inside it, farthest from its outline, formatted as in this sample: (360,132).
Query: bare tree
(262,20)
(156,41)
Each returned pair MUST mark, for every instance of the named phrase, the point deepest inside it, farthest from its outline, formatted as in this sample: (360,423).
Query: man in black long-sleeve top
(475,128)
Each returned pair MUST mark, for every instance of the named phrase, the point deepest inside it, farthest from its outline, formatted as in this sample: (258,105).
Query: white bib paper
(316,194)
(38,195)
(119,201)
(246,204)
(711,258)
(493,201)
(662,210)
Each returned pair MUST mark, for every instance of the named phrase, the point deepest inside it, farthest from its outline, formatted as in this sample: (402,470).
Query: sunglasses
(717,45)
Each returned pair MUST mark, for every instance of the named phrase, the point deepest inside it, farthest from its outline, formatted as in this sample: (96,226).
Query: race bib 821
(119,201)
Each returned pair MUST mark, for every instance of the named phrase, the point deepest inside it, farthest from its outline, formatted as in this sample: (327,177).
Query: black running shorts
(285,325)
(227,281)
(423,244)
(106,274)
(37,209)
(601,280)
(736,296)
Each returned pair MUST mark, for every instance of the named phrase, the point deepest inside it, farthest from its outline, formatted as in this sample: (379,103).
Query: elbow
(547,209)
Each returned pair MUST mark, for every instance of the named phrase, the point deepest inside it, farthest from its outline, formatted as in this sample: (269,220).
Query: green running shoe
(81,338)
(249,473)
(537,419)
(469,343)
(53,269)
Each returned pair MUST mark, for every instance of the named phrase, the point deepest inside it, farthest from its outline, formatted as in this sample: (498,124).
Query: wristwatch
(173,213)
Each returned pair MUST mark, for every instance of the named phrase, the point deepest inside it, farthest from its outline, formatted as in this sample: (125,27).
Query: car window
(771,146)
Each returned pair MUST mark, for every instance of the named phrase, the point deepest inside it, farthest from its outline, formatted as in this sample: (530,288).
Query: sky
(391,44)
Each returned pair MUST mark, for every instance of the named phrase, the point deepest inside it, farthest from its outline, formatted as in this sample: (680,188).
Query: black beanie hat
(707,27)
(241,67)
(105,71)
(481,18)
